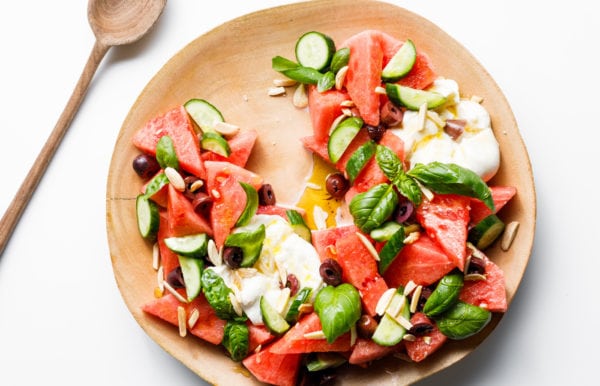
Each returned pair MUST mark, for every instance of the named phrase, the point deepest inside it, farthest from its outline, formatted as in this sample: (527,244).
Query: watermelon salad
(398,268)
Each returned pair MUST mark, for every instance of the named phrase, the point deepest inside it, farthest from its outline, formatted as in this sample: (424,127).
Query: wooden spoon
(114,22)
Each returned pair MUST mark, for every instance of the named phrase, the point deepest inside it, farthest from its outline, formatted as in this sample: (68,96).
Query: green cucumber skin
(341,137)
(147,216)
(412,99)
(485,232)
(203,113)
(271,318)
(395,71)
(314,50)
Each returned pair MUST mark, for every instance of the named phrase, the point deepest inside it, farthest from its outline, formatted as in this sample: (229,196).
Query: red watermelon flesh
(183,220)
(324,108)
(365,351)
(272,368)
(161,196)
(364,73)
(324,240)
(423,262)
(500,194)
(226,208)
(216,171)
(319,148)
(259,336)
(176,124)
(420,348)
(168,258)
(421,75)
(294,342)
(241,147)
(489,293)
(360,139)
(208,327)
(359,268)
(371,174)
(445,219)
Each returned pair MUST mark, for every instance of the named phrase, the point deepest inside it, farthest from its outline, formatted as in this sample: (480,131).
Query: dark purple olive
(202,202)
(404,211)
(376,132)
(233,256)
(391,115)
(266,195)
(455,127)
(476,265)
(292,283)
(145,166)
(337,185)
(366,326)
(331,272)
(175,278)
(420,329)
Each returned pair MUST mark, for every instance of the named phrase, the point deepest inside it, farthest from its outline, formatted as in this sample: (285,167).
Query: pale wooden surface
(234,74)
(113,23)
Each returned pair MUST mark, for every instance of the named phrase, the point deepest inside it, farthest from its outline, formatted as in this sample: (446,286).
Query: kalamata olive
(317,378)
(420,329)
(337,185)
(455,127)
(266,195)
(404,211)
(366,326)
(292,283)
(390,115)
(233,256)
(376,132)
(145,166)
(331,272)
(202,204)
(476,265)
(175,278)
(193,184)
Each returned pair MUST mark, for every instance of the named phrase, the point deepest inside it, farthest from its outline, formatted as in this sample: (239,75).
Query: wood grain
(231,67)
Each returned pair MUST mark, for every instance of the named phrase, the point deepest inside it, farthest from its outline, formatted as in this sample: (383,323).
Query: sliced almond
(410,286)
(403,322)
(435,118)
(300,97)
(347,103)
(237,307)
(226,129)
(175,178)
(412,237)
(474,277)
(414,301)
(365,241)
(181,320)
(409,337)
(155,256)
(196,185)
(384,301)
(509,235)
(276,91)
(213,254)
(174,292)
(395,309)
(380,90)
(422,117)
(340,77)
(193,319)
(319,334)
(336,122)
(160,278)
(287,82)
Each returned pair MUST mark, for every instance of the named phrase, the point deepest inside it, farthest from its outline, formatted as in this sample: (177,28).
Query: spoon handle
(17,206)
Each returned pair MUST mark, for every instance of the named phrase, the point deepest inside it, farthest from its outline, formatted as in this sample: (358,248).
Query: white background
(62,320)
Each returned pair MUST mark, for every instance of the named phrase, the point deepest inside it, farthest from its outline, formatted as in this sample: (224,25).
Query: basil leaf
(388,162)
(250,242)
(156,184)
(444,295)
(370,209)
(326,82)
(165,153)
(452,178)
(279,64)
(236,339)
(304,75)
(217,294)
(391,249)
(340,59)
(339,308)
(409,189)
(463,320)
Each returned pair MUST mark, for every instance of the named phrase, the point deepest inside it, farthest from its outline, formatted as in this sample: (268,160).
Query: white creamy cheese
(283,253)
(476,149)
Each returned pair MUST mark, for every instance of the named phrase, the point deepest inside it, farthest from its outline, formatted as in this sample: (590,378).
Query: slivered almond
(365,241)
(409,337)
(347,103)
(213,254)
(313,186)
(174,292)
(397,308)
(175,178)
(215,193)
(414,301)
(340,78)
(237,307)
(380,90)
(474,277)
(193,319)
(410,286)
(509,235)
(155,256)
(435,118)
(284,82)
(319,334)
(226,129)
(422,117)
(196,185)
(347,112)
(305,308)
(384,301)
(160,278)
(427,339)
(300,98)
(412,237)
(403,322)
(276,91)
(181,320)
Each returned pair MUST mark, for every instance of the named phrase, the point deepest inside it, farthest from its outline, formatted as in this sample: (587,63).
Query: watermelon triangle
(241,146)
(183,220)
(273,368)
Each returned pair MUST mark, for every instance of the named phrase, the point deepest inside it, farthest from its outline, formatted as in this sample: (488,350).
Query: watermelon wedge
(365,351)
(183,220)
(420,349)
(489,293)
(168,258)
(324,240)
(241,146)
(272,368)
(501,196)
(324,108)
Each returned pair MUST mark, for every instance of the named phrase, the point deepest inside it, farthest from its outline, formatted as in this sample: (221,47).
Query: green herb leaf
(165,153)
(251,243)
(372,208)
(389,163)
(451,178)
(326,82)
(463,320)
(236,339)
(339,308)
(280,64)
(340,59)
(444,295)
(304,75)
(217,295)
(409,189)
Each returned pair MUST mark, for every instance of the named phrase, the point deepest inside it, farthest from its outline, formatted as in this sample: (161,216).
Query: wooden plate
(231,67)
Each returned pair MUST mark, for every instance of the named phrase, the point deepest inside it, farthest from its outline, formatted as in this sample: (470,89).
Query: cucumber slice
(156,183)
(390,250)
(191,269)
(315,50)
(389,332)
(298,224)
(271,318)
(401,63)
(250,242)
(204,114)
(195,245)
(165,153)
(213,141)
(251,205)
(148,217)
(324,360)
(412,98)
(341,137)
(385,231)
(486,231)
(294,311)
(359,159)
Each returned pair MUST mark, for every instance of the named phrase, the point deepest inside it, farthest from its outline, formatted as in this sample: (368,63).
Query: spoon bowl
(114,22)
